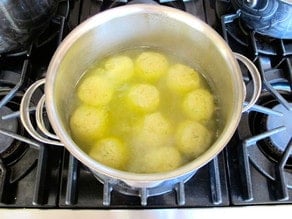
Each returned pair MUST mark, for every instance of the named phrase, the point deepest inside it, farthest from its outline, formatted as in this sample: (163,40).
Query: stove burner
(275,144)
(281,139)
(10,149)
(9,125)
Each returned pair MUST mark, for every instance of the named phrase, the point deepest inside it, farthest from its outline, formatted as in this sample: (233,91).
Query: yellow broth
(145,111)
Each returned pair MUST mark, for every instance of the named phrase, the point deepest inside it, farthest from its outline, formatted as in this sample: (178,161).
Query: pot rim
(138,179)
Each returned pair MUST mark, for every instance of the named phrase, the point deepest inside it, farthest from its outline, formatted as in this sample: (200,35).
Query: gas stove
(255,168)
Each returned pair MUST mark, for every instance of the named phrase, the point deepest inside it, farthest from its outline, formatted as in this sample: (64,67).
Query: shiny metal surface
(25,115)
(286,1)
(251,3)
(155,26)
(17,29)
(271,18)
(256,78)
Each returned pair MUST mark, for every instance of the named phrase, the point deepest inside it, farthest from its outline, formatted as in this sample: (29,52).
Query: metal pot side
(147,25)
(271,18)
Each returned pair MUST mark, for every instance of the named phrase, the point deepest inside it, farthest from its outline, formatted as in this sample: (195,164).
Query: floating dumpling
(119,69)
(182,78)
(95,91)
(88,124)
(111,152)
(192,138)
(161,159)
(143,111)
(153,131)
(150,66)
(199,105)
(143,97)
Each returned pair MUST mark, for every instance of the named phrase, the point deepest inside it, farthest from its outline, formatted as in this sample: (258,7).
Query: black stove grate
(80,189)
(264,174)
(29,171)
(38,186)
(47,176)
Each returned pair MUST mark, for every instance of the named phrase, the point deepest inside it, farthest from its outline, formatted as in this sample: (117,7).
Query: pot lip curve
(106,16)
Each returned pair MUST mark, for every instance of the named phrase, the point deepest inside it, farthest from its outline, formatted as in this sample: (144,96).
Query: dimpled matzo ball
(111,152)
(153,131)
(199,105)
(143,97)
(192,138)
(95,91)
(150,66)
(88,123)
(119,69)
(181,78)
(161,159)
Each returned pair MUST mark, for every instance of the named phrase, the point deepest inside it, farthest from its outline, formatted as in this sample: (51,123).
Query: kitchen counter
(267,211)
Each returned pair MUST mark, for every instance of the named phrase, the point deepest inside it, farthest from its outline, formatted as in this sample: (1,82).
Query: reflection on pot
(22,21)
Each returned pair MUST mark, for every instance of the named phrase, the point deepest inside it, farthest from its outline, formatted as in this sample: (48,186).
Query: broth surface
(144,111)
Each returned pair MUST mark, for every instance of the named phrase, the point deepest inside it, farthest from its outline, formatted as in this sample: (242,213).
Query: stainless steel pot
(132,26)
(268,17)
(22,21)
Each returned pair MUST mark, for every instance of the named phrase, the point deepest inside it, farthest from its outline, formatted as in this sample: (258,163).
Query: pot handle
(54,140)
(256,78)
(26,119)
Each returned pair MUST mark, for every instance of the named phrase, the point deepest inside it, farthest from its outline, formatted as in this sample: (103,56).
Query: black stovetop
(249,171)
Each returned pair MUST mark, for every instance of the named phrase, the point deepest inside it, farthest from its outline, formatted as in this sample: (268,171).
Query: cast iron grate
(29,170)
(265,174)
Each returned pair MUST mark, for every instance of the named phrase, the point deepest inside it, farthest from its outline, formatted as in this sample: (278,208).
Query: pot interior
(152,26)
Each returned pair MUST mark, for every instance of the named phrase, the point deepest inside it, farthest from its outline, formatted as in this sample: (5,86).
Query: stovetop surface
(35,175)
